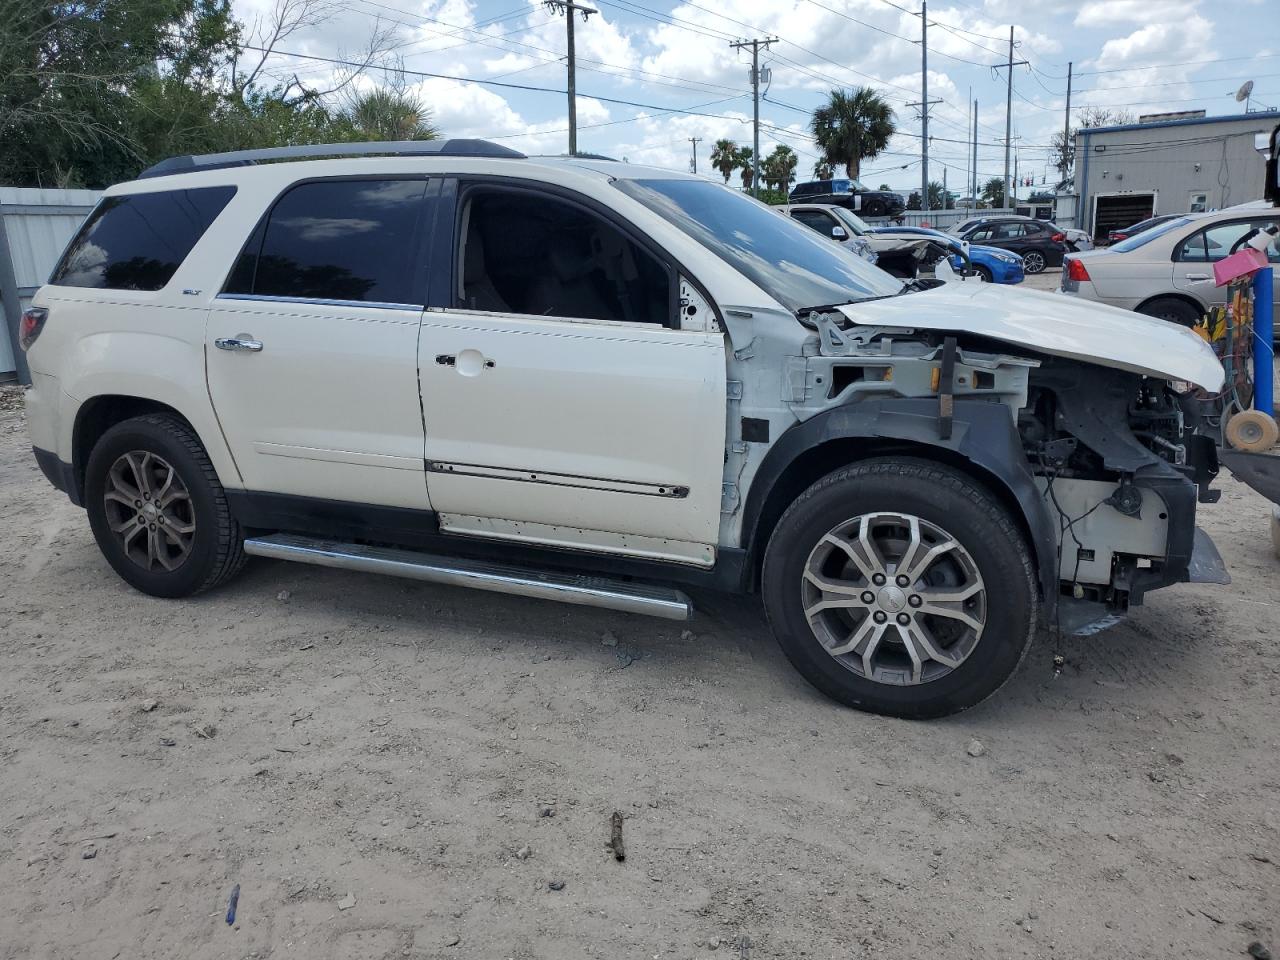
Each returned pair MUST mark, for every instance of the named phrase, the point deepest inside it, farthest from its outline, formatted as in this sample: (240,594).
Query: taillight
(1076,270)
(1058,237)
(30,326)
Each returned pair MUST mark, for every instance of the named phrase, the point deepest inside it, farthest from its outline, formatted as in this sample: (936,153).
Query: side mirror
(839,233)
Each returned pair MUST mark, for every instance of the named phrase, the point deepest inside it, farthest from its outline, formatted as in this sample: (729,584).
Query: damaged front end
(1105,463)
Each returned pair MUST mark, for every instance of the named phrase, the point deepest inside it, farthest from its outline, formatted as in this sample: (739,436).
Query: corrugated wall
(37,223)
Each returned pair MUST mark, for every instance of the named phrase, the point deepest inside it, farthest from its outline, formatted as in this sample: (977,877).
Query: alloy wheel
(149,510)
(1033,261)
(894,598)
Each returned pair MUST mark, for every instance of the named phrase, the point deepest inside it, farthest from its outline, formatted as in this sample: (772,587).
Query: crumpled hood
(1052,323)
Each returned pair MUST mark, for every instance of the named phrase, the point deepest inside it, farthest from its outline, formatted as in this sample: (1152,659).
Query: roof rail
(399,148)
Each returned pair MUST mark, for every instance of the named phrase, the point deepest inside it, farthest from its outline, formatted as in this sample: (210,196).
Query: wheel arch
(1186,298)
(98,414)
(984,445)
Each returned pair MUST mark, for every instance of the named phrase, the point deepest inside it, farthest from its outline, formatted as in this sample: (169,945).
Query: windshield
(1146,236)
(791,262)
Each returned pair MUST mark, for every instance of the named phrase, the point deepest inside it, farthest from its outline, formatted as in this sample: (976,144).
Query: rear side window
(335,240)
(137,242)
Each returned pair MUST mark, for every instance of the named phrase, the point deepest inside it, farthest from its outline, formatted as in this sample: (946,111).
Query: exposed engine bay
(1114,456)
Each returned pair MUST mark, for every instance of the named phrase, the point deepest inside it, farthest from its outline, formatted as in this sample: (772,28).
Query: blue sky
(676,76)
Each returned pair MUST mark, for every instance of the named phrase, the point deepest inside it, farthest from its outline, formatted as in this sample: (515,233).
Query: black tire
(874,208)
(984,273)
(216,551)
(937,495)
(1173,310)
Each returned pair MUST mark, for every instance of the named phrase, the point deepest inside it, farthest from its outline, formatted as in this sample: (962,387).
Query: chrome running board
(455,572)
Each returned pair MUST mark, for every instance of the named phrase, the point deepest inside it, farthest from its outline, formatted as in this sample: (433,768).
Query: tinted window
(137,242)
(787,260)
(804,189)
(335,240)
(1146,236)
(982,233)
(817,220)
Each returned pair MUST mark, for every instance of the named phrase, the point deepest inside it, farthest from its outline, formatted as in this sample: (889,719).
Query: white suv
(589,381)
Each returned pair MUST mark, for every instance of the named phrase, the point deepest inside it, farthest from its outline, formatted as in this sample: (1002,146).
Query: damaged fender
(982,434)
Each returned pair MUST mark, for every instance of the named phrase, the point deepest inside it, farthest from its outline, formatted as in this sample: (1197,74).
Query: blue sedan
(995,265)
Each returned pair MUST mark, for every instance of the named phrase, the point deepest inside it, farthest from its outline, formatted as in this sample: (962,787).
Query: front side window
(816,220)
(528,253)
(350,240)
(787,260)
(138,241)
(1215,243)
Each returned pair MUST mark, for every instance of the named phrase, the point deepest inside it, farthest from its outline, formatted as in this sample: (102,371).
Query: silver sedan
(1167,271)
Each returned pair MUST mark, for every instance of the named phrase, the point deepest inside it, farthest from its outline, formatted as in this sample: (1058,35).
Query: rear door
(573,384)
(312,344)
(1194,258)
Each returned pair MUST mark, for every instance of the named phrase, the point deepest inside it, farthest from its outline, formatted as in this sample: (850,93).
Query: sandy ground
(392,770)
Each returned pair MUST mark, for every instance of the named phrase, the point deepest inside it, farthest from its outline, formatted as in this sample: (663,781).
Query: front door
(564,403)
(312,346)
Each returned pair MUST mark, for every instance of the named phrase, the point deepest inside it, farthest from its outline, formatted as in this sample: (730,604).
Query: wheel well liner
(95,417)
(984,443)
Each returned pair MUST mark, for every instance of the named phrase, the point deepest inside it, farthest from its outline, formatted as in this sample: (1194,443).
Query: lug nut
(903,581)
(141,518)
(903,619)
(151,526)
(146,496)
(878,579)
(137,503)
(880,616)
(914,600)
(868,597)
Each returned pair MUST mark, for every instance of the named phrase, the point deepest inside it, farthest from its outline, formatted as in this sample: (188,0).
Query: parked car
(1039,244)
(1166,271)
(1115,236)
(991,263)
(1074,239)
(849,193)
(596,382)
(839,223)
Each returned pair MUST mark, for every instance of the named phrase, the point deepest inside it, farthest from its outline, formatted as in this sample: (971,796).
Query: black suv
(851,194)
(1039,244)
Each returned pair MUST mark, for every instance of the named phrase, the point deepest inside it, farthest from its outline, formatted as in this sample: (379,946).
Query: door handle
(242,342)
(1198,277)
(469,362)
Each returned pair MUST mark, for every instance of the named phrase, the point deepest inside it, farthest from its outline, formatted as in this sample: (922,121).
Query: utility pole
(974,192)
(1067,146)
(924,105)
(1008,116)
(944,187)
(968,124)
(755,46)
(569,8)
(694,162)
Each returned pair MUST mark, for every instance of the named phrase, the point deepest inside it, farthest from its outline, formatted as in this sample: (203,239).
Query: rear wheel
(1033,261)
(874,208)
(157,510)
(900,587)
(1172,310)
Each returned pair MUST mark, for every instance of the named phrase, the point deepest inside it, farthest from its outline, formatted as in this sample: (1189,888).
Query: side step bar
(456,572)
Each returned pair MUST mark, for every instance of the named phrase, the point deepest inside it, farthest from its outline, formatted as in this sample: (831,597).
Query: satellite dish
(1245,90)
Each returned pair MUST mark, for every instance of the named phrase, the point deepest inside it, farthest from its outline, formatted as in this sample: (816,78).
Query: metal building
(1128,173)
(35,225)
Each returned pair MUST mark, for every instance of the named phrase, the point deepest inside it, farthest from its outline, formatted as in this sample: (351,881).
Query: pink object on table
(1241,263)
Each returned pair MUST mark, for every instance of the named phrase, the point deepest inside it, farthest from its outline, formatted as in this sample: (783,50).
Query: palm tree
(779,168)
(852,126)
(389,114)
(745,155)
(993,192)
(823,170)
(724,157)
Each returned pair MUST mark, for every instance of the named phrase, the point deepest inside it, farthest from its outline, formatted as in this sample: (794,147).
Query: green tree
(913,201)
(993,192)
(778,169)
(852,126)
(823,170)
(389,113)
(745,156)
(724,157)
(884,186)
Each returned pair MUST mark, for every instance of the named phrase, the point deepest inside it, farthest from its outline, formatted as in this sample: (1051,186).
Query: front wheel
(157,510)
(900,587)
(874,208)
